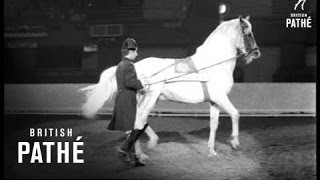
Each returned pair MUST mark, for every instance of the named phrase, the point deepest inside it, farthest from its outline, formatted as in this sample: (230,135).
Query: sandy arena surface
(271,148)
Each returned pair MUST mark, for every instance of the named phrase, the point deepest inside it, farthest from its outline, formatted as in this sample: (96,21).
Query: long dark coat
(124,112)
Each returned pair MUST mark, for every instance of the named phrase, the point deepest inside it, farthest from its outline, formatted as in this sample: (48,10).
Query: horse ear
(248,18)
(243,24)
(241,20)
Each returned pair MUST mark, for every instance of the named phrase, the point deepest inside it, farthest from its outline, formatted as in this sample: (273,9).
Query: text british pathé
(298,20)
(64,150)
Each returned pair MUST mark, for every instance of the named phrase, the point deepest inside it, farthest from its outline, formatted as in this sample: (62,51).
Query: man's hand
(142,91)
(145,89)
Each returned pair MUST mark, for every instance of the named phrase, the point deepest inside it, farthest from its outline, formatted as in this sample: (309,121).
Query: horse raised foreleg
(224,102)
(214,121)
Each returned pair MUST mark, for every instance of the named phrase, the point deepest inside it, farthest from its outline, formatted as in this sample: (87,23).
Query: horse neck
(219,47)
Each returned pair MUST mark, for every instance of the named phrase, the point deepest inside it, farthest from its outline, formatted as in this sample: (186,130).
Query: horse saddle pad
(186,66)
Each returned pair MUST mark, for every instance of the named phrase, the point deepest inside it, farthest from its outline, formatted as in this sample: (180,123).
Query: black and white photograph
(160,89)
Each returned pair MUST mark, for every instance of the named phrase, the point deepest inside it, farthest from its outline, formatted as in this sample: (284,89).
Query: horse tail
(98,94)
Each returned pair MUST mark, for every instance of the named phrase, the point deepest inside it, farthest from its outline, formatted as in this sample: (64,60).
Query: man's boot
(133,136)
(126,146)
(127,149)
(133,159)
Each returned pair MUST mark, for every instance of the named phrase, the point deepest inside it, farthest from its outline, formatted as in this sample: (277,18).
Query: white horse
(214,62)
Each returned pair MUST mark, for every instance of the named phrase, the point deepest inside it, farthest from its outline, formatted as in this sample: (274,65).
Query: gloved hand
(142,91)
(145,89)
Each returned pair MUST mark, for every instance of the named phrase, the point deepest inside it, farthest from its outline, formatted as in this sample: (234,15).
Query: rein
(167,67)
(197,70)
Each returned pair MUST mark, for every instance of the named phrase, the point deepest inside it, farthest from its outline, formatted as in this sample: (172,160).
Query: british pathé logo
(50,151)
(298,18)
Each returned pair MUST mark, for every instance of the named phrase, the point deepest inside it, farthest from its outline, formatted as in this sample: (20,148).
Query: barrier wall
(249,98)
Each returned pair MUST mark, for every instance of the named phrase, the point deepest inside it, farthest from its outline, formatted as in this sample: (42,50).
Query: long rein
(197,70)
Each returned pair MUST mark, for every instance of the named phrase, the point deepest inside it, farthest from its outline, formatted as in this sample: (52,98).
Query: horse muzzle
(252,54)
(255,53)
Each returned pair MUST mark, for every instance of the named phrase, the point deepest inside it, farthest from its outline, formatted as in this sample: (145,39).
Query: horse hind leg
(152,142)
(153,138)
(214,122)
(226,104)
(142,156)
(146,108)
(143,110)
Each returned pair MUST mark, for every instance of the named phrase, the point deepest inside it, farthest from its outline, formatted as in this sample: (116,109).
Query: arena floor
(271,148)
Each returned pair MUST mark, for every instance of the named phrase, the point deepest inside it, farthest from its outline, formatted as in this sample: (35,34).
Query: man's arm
(130,78)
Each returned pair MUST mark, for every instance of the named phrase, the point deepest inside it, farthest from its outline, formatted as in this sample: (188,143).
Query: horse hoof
(152,143)
(212,154)
(235,147)
(89,116)
(234,143)
(143,157)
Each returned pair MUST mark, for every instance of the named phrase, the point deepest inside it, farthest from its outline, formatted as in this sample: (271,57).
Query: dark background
(46,41)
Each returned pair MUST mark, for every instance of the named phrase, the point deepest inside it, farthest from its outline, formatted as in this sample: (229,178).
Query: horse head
(248,45)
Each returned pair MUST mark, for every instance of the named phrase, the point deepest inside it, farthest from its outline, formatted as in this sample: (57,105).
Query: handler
(125,107)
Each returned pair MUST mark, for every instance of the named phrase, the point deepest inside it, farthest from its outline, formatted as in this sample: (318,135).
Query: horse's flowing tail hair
(99,93)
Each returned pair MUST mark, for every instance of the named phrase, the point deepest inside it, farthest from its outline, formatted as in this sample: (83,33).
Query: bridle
(243,38)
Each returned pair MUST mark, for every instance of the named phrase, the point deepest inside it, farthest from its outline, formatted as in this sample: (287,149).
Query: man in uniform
(125,102)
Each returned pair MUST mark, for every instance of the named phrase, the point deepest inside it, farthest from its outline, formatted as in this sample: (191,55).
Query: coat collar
(127,59)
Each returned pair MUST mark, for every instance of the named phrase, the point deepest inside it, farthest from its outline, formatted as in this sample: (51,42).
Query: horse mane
(225,32)
(225,26)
